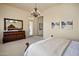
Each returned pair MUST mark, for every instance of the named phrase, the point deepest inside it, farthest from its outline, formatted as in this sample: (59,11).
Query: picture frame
(55,24)
(66,24)
(40,26)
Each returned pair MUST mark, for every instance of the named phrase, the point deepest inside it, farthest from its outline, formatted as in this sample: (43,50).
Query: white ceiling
(29,6)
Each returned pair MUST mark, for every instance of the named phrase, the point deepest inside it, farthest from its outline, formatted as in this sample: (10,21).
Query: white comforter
(48,47)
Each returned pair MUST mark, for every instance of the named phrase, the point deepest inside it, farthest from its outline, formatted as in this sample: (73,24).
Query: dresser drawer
(12,36)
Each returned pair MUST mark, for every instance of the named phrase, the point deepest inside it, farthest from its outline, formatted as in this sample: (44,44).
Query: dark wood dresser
(13,35)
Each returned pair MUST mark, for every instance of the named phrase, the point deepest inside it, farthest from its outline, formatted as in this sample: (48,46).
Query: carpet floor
(17,48)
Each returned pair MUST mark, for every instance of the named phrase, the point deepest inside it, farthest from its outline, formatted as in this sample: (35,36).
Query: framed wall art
(55,24)
(66,24)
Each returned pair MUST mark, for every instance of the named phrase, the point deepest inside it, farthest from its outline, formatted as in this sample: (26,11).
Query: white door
(30,28)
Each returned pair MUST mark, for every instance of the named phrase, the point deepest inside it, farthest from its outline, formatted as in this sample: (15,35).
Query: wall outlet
(51,35)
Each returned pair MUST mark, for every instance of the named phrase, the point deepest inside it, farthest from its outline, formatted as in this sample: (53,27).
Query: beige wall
(13,13)
(60,12)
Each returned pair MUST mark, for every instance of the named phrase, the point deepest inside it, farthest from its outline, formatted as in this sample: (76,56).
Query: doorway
(30,28)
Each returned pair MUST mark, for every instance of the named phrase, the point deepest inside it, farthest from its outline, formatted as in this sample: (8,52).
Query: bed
(53,47)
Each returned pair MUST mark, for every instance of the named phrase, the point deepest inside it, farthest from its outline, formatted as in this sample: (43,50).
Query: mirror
(13,24)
